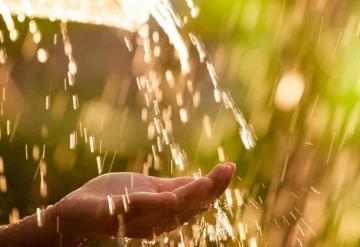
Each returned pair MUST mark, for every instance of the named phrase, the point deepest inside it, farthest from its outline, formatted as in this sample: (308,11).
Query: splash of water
(126,14)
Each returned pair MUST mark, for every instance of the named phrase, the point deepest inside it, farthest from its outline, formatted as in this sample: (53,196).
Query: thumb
(221,176)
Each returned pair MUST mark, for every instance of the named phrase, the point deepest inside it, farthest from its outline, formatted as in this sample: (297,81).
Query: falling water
(127,15)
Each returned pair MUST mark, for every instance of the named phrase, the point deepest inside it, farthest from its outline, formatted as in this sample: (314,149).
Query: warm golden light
(289,91)
(42,55)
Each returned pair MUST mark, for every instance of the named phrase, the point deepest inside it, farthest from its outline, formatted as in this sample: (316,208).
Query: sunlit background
(291,66)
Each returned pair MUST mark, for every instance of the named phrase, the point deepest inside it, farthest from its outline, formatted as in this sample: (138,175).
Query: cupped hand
(138,206)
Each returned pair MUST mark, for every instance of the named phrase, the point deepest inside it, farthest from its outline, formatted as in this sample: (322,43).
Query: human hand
(146,205)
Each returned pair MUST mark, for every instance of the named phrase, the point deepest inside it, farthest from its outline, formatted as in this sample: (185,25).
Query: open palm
(138,206)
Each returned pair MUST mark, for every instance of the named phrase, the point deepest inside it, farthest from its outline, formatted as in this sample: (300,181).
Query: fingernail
(231,165)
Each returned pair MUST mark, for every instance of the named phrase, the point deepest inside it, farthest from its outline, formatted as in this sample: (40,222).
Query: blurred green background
(292,67)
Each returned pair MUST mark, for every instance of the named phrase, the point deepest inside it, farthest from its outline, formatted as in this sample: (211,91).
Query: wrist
(37,230)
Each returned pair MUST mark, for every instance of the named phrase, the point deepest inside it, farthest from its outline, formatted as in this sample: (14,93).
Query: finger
(196,196)
(194,193)
(145,200)
(173,183)
(193,197)
(167,224)
(145,224)
(221,176)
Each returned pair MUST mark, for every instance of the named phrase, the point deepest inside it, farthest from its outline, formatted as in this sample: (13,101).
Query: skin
(156,205)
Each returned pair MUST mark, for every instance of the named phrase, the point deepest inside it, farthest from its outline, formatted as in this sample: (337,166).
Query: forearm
(36,230)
